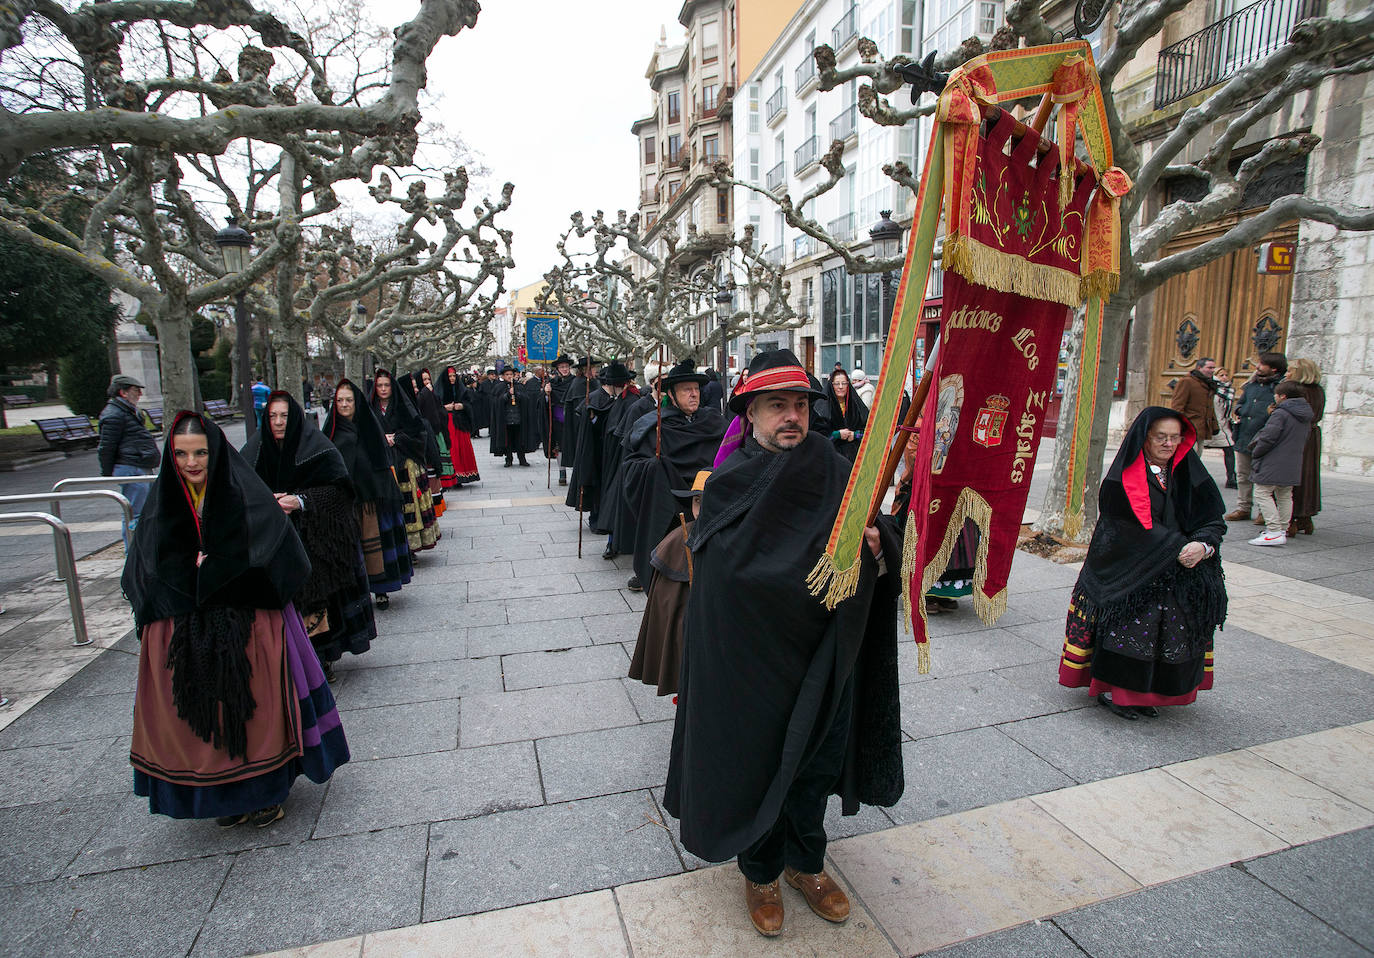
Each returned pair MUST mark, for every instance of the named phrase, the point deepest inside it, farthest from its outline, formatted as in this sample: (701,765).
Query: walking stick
(658,405)
(548,449)
(579,522)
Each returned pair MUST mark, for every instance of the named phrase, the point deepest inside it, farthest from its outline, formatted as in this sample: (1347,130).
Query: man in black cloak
(556,392)
(781,701)
(598,455)
(660,456)
(584,383)
(515,419)
(482,401)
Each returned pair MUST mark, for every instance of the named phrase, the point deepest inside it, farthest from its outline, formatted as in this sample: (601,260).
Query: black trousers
(797,838)
(512,434)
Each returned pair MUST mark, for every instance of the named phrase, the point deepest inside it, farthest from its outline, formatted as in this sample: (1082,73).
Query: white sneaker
(1269,539)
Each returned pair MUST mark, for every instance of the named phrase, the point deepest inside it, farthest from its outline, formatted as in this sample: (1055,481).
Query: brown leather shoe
(821,893)
(765,907)
(1259,520)
(1238,515)
(1292,528)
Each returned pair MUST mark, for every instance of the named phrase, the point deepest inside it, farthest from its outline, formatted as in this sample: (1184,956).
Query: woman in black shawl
(231,703)
(405,437)
(312,484)
(1151,593)
(433,460)
(456,399)
(358,436)
(848,415)
(432,412)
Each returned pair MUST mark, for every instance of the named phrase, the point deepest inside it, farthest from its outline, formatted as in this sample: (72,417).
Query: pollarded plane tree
(138,97)
(1201,148)
(625,297)
(432,294)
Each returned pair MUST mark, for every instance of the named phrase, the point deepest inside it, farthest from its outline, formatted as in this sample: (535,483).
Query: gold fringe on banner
(837,585)
(1009,273)
(1100,283)
(1073,524)
(908,567)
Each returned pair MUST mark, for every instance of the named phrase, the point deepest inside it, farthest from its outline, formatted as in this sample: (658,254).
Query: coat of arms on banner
(992,419)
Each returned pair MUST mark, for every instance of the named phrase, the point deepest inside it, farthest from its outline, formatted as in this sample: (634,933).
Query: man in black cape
(781,701)
(556,391)
(484,401)
(515,421)
(598,455)
(584,383)
(660,456)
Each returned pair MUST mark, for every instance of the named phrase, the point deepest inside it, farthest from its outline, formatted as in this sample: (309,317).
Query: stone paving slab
(628,758)
(1222,913)
(534,854)
(540,713)
(140,911)
(53,833)
(431,787)
(531,670)
(395,730)
(940,779)
(354,883)
(544,635)
(1330,878)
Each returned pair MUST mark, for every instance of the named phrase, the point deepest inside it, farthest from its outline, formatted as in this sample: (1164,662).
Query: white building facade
(784,123)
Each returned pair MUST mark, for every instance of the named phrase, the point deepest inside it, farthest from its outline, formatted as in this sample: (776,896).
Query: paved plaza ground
(504,796)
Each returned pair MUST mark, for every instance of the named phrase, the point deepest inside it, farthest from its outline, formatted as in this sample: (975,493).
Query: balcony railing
(842,228)
(806,71)
(675,159)
(843,126)
(846,29)
(1216,52)
(772,255)
(776,103)
(648,197)
(803,246)
(804,155)
(776,176)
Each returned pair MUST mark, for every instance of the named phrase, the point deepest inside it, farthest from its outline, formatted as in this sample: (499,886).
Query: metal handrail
(61,484)
(54,499)
(66,564)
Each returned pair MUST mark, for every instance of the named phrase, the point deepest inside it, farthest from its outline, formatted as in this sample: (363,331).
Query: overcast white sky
(545,91)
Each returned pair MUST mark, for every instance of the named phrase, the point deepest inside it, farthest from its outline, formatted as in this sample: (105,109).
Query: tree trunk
(355,361)
(173,324)
(1116,319)
(50,390)
(290,352)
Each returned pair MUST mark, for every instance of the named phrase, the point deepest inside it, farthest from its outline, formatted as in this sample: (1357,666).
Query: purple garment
(735,434)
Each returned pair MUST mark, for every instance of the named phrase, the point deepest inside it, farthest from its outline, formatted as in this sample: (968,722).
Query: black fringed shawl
(1133,555)
(308,464)
(253,560)
(456,392)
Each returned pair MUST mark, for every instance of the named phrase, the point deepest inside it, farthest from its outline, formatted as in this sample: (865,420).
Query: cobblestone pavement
(504,794)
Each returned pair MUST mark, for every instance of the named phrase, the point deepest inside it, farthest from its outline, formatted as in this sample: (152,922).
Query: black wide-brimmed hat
(564,358)
(615,373)
(684,372)
(586,361)
(775,369)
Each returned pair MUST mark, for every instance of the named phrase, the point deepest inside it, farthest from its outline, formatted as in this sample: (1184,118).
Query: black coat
(597,457)
(124,439)
(575,399)
(526,403)
(645,507)
(765,665)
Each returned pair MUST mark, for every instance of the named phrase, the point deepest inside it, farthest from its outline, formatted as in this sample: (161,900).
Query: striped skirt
(386,554)
(422,526)
(294,730)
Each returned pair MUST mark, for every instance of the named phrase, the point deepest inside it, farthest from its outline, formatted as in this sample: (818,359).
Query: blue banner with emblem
(541,337)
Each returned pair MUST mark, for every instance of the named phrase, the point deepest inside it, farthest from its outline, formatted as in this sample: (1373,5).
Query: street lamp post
(234,243)
(887,242)
(725,300)
(398,338)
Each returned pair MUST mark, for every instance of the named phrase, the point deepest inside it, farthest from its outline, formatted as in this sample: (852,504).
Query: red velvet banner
(995,370)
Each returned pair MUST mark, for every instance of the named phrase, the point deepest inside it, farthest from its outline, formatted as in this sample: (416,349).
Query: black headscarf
(400,418)
(362,445)
(304,458)
(253,560)
(456,392)
(853,413)
(430,407)
(1141,528)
